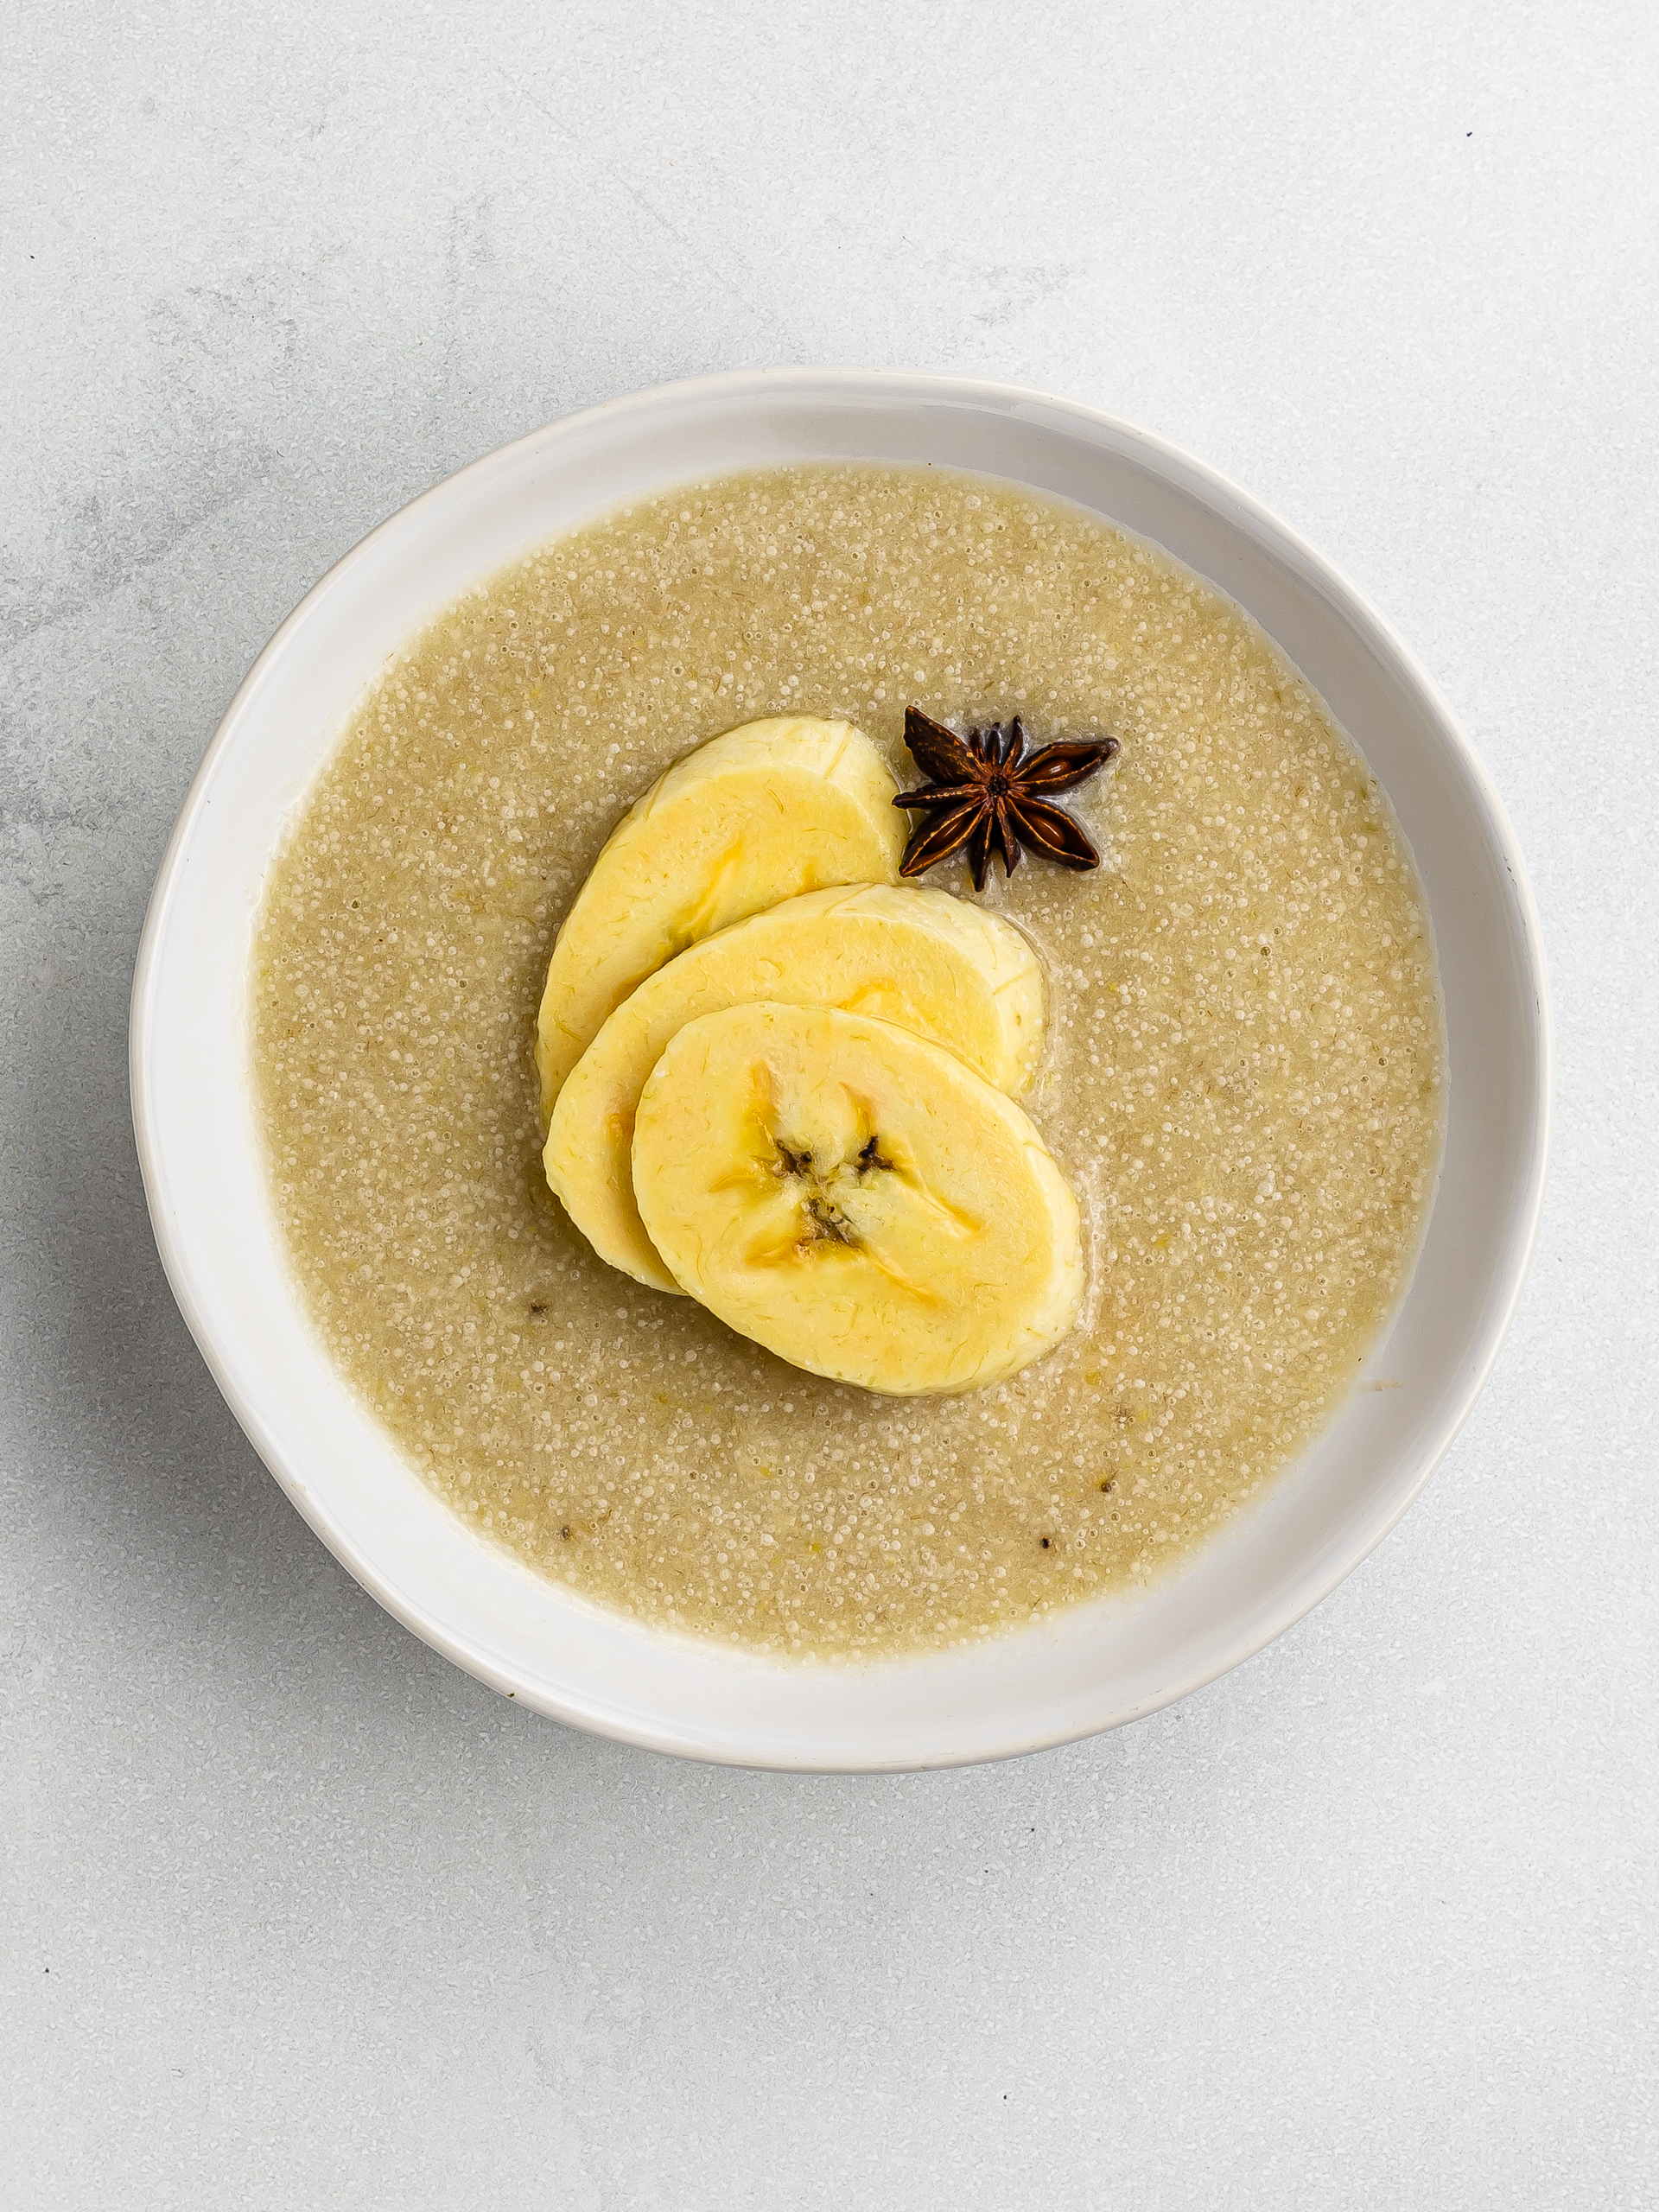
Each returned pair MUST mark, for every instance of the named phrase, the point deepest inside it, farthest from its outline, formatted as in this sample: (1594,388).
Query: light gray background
(293,1914)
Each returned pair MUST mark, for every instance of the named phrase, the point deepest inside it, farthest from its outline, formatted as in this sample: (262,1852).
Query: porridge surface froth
(1244,1080)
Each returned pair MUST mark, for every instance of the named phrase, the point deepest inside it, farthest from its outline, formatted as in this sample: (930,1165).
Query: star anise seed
(985,793)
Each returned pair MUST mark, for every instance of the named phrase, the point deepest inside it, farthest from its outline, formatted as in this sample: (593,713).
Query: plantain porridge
(848,1057)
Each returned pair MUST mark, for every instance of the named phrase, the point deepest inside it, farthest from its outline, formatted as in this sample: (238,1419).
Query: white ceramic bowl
(1104,1662)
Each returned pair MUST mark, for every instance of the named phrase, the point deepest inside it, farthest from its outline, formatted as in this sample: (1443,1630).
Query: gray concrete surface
(295,1914)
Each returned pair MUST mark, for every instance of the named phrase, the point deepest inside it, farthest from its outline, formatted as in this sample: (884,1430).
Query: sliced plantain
(933,965)
(760,814)
(856,1198)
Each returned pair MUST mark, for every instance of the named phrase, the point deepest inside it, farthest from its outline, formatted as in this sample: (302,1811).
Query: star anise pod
(984,792)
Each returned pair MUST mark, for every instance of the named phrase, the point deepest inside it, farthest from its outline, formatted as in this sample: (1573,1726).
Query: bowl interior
(1102,1663)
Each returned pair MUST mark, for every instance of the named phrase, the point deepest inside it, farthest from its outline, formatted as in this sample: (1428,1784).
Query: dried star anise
(984,792)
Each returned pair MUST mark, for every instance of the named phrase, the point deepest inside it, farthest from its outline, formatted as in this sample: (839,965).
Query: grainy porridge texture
(1243,1079)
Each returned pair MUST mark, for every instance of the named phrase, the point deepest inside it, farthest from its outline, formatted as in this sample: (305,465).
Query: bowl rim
(1366,1530)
